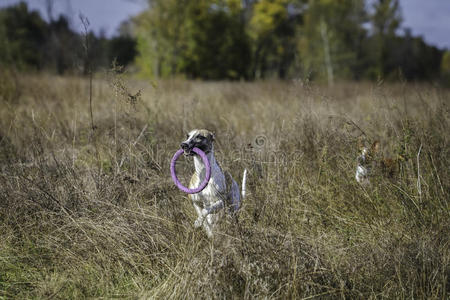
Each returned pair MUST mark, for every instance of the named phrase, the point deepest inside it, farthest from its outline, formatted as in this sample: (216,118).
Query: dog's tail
(244,180)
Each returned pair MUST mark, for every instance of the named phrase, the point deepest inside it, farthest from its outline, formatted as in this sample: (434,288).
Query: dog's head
(200,138)
(366,160)
(367,155)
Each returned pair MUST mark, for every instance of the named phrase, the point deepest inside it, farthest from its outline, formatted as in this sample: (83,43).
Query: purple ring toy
(207,175)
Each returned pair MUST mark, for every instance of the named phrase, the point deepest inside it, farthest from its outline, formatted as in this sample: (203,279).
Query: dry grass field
(94,213)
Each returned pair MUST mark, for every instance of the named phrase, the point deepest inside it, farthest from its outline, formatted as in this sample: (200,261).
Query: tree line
(234,39)
(317,39)
(29,43)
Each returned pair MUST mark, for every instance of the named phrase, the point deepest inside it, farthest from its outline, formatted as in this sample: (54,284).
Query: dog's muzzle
(187,149)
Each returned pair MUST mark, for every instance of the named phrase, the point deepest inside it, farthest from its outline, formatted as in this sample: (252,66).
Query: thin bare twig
(88,68)
(419,187)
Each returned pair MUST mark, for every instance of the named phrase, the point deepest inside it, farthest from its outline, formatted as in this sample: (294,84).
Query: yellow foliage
(267,15)
(445,63)
(234,6)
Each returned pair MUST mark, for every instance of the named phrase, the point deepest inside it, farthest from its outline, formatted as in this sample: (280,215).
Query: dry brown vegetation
(95,214)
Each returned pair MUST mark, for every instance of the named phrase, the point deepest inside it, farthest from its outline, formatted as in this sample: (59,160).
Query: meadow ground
(94,213)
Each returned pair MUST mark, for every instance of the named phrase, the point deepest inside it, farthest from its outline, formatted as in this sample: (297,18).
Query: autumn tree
(272,28)
(23,37)
(218,46)
(160,37)
(331,39)
(445,67)
(385,21)
(202,39)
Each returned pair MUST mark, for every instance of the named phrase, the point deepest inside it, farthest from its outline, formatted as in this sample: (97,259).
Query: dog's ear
(212,137)
(187,136)
(375,147)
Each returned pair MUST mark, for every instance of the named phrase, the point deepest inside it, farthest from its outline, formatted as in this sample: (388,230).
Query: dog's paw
(209,233)
(205,212)
(208,230)
(198,223)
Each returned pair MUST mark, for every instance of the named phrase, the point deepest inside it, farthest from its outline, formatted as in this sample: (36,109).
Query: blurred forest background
(232,39)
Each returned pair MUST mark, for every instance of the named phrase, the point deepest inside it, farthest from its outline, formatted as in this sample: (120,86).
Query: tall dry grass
(94,213)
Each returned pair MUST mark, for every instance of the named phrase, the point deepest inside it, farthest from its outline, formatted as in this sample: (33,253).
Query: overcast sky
(428,18)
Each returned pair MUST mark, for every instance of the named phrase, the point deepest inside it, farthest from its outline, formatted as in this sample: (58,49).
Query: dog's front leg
(213,208)
(200,216)
(208,228)
(209,223)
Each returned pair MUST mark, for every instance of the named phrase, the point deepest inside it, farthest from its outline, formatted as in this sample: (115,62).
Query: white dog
(371,161)
(364,167)
(221,191)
